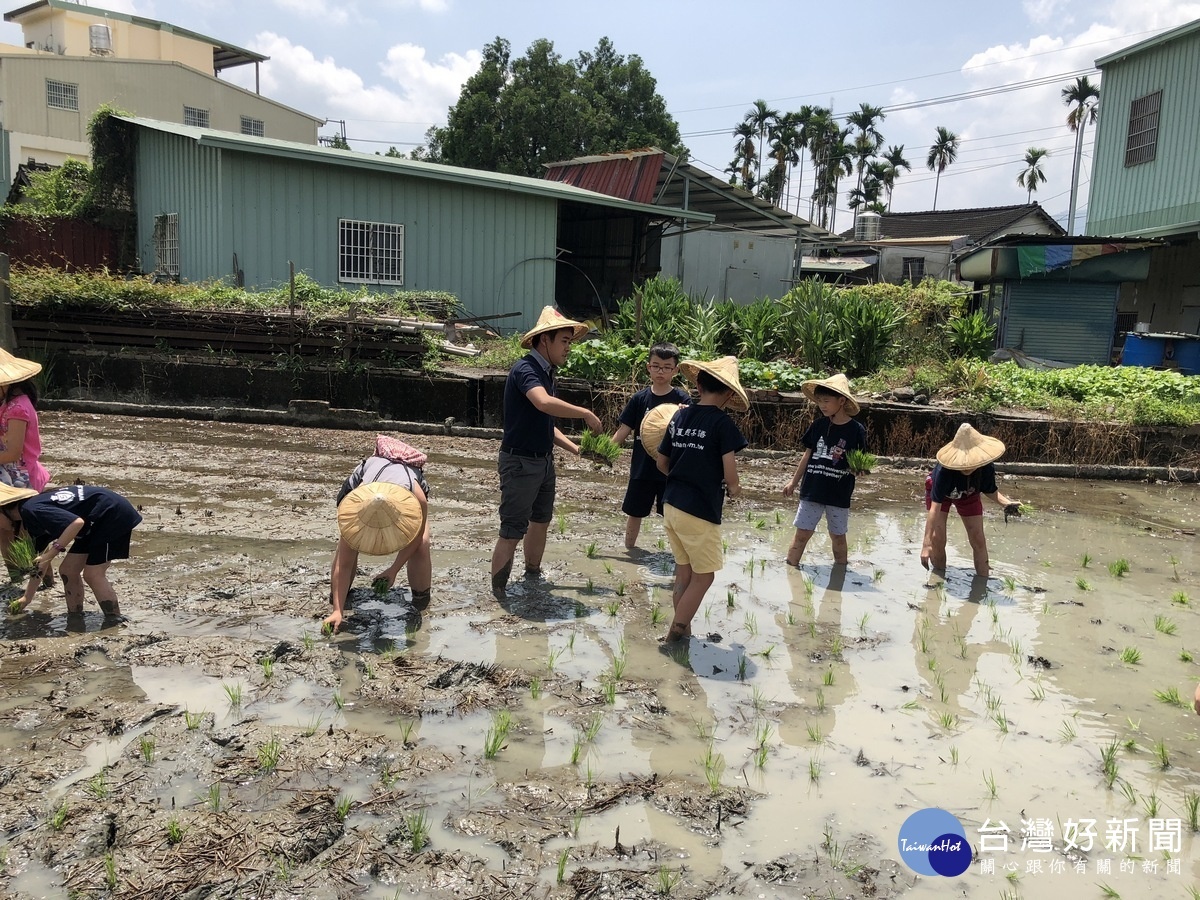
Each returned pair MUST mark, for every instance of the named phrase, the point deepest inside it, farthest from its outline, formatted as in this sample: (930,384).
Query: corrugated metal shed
(253,204)
(1160,196)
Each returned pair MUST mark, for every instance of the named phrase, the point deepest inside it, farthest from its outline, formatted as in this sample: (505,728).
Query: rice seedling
(314,725)
(762,733)
(760,523)
(98,787)
(814,733)
(667,881)
(593,726)
(22,557)
(766,652)
(820,700)
(497,734)
(714,768)
(326,629)
(146,747)
(562,524)
(174,831)
(1108,762)
(729,598)
(877,575)
(778,517)
(1170,696)
(388,776)
(827,678)
(192,720)
(576,821)
(110,871)
(1109,891)
(860,461)
(342,807)
(948,721)
(268,666)
(1131,656)
(1083,584)
(1085,560)
(742,662)
(552,658)
(590,550)
(608,569)
(1185,656)
(599,448)
(571,642)
(1164,757)
(656,614)
(662,544)
(308,641)
(953,755)
(418,830)
(576,750)
(814,769)
(368,665)
(338,700)
(812,629)
(269,753)
(989,781)
(406,730)
(1036,691)
(760,756)
(1010,585)
(724,546)
(1067,731)
(620,589)
(1118,568)
(214,797)
(1191,806)
(563,856)
(836,646)
(1001,721)
(809,587)
(910,705)
(1180,598)
(1164,625)
(589,777)
(704,730)
(608,689)
(1174,566)
(1129,792)
(58,818)
(862,622)
(1150,804)
(234,693)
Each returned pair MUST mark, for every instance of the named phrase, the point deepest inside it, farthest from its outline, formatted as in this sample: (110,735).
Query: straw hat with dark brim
(725,370)
(10,494)
(654,426)
(14,369)
(552,320)
(379,518)
(839,384)
(970,449)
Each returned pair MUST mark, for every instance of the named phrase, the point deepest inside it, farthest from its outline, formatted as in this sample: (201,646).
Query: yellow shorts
(695,542)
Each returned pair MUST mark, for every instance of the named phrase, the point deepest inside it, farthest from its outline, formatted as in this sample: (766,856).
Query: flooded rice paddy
(218,745)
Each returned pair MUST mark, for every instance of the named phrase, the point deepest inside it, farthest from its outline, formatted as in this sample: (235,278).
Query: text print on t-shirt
(822,451)
(66,495)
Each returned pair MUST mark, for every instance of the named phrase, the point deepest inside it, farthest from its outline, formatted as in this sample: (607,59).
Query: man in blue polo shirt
(526,463)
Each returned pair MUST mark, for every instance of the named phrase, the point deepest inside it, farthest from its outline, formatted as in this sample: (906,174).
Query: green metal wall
(1071,323)
(1166,191)
(492,248)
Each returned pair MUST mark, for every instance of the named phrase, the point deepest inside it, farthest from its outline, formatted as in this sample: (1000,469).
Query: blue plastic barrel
(1187,355)
(1143,349)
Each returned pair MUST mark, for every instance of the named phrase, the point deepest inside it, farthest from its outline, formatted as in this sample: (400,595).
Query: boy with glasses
(646,482)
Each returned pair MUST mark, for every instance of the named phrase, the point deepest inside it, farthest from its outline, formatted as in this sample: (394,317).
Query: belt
(530,454)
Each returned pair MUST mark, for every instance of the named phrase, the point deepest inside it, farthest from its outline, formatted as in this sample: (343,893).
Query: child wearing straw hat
(697,456)
(383,508)
(526,460)
(645,491)
(20,442)
(965,473)
(823,474)
(90,525)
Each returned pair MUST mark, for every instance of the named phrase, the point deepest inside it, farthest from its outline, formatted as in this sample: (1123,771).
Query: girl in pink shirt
(20,443)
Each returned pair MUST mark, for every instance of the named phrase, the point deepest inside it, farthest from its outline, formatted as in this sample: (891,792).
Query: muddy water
(778,756)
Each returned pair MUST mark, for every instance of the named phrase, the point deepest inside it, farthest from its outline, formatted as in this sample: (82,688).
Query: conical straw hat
(839,384)
(552,320)
(14,369)
(10,494)
(725,370)
(970,449)
(654,426)
(379,518)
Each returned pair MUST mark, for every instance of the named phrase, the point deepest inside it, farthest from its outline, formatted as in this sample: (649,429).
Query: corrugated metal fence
(61,243)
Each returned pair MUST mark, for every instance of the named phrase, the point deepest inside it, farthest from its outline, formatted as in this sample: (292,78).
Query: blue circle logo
(933,842)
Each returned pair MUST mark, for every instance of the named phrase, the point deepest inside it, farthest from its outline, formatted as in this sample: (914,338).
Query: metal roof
(208,137)
(650,175)
(1165,37)
(225,55)
(977,223)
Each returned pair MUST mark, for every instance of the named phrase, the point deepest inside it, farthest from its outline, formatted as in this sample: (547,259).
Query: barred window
(914,269)
(166,244)
(1141,143)
(370,252)
(62,94)
(253,127)
(197,118)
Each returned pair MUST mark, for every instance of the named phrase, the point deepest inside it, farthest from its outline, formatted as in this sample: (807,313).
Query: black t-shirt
(828,478)
(48,515)
(525,426)
(696,441)
(950,484)
(642,466)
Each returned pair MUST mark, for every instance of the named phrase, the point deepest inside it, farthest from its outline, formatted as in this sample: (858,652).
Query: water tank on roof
(866,226)
(100,40)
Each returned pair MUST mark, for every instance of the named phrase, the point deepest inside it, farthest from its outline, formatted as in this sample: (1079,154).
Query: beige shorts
(695,542)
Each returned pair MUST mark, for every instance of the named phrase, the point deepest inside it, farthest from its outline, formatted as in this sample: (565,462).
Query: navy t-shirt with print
(828,478)
(696,440)
(48,515)
(950,484)
(641,465)
(525,426)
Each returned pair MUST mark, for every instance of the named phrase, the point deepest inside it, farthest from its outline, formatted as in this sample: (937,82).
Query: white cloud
(331,12)
(430,87)
(1040,11)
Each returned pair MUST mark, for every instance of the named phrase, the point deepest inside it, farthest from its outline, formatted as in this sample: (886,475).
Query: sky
(391,68)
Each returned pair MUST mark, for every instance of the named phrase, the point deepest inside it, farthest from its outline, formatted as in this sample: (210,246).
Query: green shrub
(973,336)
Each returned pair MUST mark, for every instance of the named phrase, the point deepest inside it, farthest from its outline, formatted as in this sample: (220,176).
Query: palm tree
(803,120)
(943,152)
(895,162)
(1084,99)
(868,140)
(743,150)
(820,130)
(760,117)
(1032,175)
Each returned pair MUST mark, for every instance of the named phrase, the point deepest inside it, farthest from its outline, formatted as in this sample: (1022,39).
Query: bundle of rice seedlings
(861,462)
(22,558)
(599,447)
